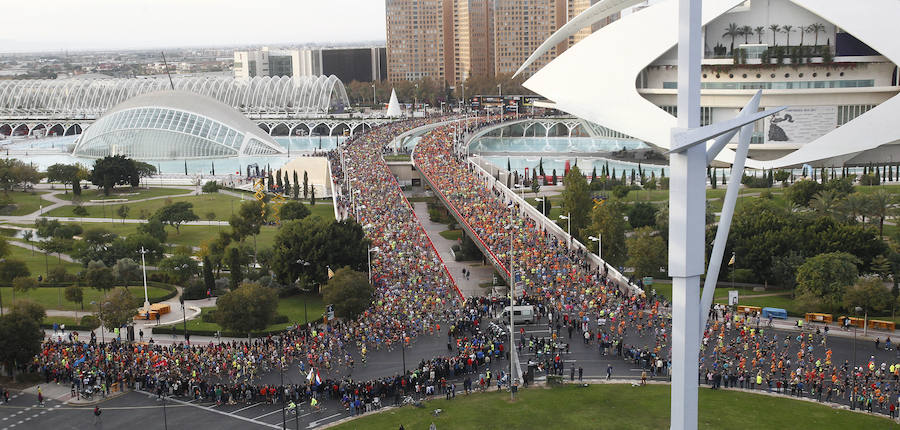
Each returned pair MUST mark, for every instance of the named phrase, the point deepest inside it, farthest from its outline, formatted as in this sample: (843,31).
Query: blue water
(558,162)
(553,144)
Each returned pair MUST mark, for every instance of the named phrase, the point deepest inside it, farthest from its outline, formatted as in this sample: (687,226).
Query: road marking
(215,411)
(270,413)
(248,407)
(317,422)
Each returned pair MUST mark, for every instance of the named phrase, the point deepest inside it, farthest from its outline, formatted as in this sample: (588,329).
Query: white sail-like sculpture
(393,109)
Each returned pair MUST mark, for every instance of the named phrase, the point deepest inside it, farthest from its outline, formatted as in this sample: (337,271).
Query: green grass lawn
(401,157)
(68,321)
(451,234)
(126,193)
(221,205)
(54,298)
(191,235)
(615,406)
(22,203)
(291,307)
(36,262)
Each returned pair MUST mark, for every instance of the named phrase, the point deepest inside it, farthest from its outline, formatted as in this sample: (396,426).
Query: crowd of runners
(415,295)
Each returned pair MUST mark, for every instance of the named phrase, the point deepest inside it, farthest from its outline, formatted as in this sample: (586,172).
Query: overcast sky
(54,25)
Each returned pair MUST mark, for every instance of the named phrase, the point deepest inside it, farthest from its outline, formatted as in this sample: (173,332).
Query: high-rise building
(473,47)
(348,64)
(419,39)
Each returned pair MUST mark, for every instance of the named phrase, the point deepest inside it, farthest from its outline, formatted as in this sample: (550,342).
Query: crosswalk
(22,411)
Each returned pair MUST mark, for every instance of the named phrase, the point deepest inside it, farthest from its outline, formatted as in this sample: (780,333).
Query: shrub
(211,187)
(208,316)
(280,319)
(620,191)
(90,322)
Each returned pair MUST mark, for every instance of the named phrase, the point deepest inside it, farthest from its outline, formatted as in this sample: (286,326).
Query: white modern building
(830,62)
(363,64)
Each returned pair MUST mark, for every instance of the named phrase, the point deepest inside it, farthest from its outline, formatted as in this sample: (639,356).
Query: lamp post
(183,318)
(281,388)
(144,270)
(369,255)
(512,300)
(305,315)
(568,219)
(373,95)
(599,248)
(502,107)
(543,205)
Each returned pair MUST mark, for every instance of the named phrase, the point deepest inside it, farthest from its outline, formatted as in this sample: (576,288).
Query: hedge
(177,329)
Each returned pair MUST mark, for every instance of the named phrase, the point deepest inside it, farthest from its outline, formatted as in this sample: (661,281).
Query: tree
(251,307)
(869,293)
(210,187)
(775,29)
(235,261)
(880,204)
(576,200)
(825,203)
(826,276)
(312,196)
(119,309)
(23,284)
(144,170)
(350,293)
(784,269)
(250,217)
(759,32)
(180,268)
(20,339)
(176,214)
(296,189)
(209,280)
(127,270)
(293,210)
(817,28)
(287,184)
(647,252)
(607,221)
(114,170)
(642,214)
(68,174)
(305,185)
(732,31)
(781,176)
(33,310)
(319,243)
(11,269)
(79,210)
(75,294)
(99,276)
(153,228)
(801,192)
(787,29)
(14,173)
(122,212)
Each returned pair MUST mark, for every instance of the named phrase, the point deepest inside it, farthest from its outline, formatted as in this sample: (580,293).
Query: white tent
(393,109)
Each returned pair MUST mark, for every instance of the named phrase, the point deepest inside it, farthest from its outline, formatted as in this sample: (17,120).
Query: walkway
(480,272)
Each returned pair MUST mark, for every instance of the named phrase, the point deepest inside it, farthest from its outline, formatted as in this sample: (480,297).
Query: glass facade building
(174,125)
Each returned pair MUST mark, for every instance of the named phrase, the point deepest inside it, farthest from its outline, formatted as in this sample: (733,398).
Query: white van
(521,314)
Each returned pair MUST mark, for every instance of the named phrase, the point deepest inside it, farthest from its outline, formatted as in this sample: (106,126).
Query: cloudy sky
(54,25)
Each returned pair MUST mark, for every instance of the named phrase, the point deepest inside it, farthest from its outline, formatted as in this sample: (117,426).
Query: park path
(480,273)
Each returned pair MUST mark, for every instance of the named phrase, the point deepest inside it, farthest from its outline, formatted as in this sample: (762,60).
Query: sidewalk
(480,273)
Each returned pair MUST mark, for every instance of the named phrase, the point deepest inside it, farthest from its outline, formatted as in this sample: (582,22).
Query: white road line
(270,413)
(215,411)
(319,421)
(248,407)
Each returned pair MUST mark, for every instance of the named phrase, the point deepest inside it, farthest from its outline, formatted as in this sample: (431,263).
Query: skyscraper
(473,38)
(419,39)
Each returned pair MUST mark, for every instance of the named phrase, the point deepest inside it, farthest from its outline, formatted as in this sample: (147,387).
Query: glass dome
(174,124)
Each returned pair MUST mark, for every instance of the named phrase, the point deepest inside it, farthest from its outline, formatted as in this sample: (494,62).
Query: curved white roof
(595,79)
(174,124)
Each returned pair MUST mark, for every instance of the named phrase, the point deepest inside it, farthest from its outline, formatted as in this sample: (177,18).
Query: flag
(731,262)
(330,273)
(318,380)
(309,377)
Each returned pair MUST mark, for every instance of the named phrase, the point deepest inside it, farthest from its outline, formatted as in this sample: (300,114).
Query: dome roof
(174,124)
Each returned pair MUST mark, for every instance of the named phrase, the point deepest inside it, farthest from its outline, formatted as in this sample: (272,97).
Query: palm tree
(803,30)
(880,203)
(747,32)
(775,30)
(787,30)
(825,203)
(759,32)
(817,28)
(732,31)
(855,207)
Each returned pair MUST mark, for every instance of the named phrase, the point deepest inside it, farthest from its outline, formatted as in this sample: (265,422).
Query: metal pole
(512,303)
(165,418)
(144,269)
(686,237)
(369,257)
(281,389)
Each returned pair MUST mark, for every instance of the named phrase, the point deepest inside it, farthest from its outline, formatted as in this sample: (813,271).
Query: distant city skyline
(89,25)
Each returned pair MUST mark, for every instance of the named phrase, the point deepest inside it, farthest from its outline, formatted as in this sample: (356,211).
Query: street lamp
(369,255)
(858,310)
(568,219)
(184,318)
(373,95)
(305,315)
(144,270)
(599,250)
(543,204)
(100,317)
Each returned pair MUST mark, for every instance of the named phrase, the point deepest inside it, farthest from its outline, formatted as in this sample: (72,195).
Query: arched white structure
(601,88)
(92,96)
(174,124)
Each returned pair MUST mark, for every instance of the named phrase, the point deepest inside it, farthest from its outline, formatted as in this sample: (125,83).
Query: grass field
(615,406)
(37,264)
(125,193)
(54,298)
(451,234)
(23,203)
(222,206)
(291,307)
